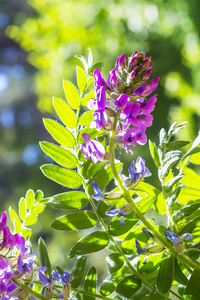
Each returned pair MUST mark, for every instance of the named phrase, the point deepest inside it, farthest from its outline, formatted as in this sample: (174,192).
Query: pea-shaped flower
(93,149)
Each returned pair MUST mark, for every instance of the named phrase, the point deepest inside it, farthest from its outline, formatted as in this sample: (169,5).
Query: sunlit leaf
(62,156)
(116,229)
(81,79)
(30,199)
(75,221)
(87,97)
(69,200)
(154,153)
(94,242)
(108,286)
(78,271)
(90,283)
(72,95)
(15,220)
(22,209)
(191,178)
(60,133)
(44,257)
(65,113)
(128,286)
(38,209)
(153,262)
(176,145)
(114,261)
(62,176)
(39,196)
(86,118)
(98,66)
(31,219)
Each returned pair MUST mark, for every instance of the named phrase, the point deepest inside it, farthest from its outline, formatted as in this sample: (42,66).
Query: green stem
(175,294)
(129,199)
(91,294)
(28,289)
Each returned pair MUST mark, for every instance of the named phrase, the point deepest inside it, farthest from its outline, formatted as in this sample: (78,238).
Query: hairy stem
(28,289)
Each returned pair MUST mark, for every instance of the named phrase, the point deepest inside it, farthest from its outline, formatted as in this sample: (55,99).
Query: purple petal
(140,250)
(86,137)
(174,238)
(122,100)
(132,171)
(148,106)
(139,90)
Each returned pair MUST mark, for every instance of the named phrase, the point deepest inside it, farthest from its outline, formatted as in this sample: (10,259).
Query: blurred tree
(168,30)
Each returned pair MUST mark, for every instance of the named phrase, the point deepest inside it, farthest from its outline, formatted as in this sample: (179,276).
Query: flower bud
(66,291)
(110,112)
(23,295)
(48,293)
(113,195)
(107,156)
(156,249)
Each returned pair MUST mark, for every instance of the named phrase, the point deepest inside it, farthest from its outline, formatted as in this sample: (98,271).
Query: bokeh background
(38,42)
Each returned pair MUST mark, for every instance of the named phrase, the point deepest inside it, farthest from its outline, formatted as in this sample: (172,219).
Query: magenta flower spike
(133,136)
(92,148)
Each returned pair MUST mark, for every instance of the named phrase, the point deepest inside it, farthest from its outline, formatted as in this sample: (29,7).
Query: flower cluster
(124,95)
(16,261)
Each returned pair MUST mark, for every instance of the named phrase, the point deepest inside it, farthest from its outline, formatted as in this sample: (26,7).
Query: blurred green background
(38,42)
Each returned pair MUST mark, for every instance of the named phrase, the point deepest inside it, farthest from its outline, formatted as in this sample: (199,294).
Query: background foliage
(51,33)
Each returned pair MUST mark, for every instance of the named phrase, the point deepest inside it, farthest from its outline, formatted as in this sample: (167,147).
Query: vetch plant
(146,259)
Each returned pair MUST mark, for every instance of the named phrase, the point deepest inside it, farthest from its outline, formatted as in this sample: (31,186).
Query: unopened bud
(66,291)
(129,184)
(109,127)
(113,195)
(128,207)
(156,249)
(15,293)
(23,295)
(117,138)
(110,112)
(48,293)
(107,156)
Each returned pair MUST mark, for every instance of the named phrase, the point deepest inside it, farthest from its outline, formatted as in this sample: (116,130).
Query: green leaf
(69,200)
(108,286)
(190,152)
(103,177)
(154,153)
(190,226)
(98,66)
(178,273)
(82,60)
(87,97)
(44,257)
(147,189)
(72,95)
(38,209)
(102,208)
(192,287)
(187,195)
(62,176)
(15,220)
(90,131)
(170,184)
(116,229)
(162,138)
(22,209)
(31,219)
(174,131)
(153,262)
(90,283)
(128,286)
(191,178)
(90,57)
(81,79)
(185,212)
(89,169)
(30,199)
(115,262)
(93,242)
(63,157)
(60,133)
(78,271)
(165,274)
(166,168)
(39,196)
(175,145)
(145,204)
(75,221)
(86,118)
(65,113)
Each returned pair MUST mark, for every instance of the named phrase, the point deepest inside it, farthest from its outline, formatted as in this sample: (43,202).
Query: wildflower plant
(145,259)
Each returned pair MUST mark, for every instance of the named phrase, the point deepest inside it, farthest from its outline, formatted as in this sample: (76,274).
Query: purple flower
(176,239)
(137,171)
(121,61)
(92,148)
(5,271)
(133,136)
(98,79)
(113,77)
(99,195)
(100,119)
(130,112)
(148,106)
(140,250)
(100,101)
(3,220)
(25,264)
(47,282)
(118,211)
(122,100)
(64,278)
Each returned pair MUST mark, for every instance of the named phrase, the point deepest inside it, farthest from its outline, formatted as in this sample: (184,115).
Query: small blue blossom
(148,232)
(176,239)
(99,195)
(141,250)
(64,278)
(118,211)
